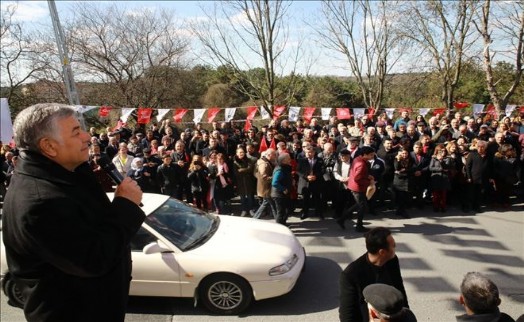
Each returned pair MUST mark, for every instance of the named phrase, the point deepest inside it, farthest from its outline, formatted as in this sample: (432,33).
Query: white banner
(325,112)
(264,113)
(161,113)
(389,112)
(230,113)
(84,108)
(6,125)
(199,113)
(510,109)
(359,112)
(423,111)
(478,109)
(126,111)
(293,113)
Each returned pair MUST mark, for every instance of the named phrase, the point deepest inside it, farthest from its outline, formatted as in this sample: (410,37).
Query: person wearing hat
(379,264)
(386,303)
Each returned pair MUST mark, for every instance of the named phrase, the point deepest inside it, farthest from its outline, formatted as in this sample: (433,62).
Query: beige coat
(264,175)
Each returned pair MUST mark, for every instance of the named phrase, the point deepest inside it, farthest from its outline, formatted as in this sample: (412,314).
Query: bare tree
(136,52)
(17,53)
(245,35)
(361,31)
(440,30)
(510,22)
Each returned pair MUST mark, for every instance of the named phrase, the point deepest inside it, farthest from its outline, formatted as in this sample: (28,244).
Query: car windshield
(184,226)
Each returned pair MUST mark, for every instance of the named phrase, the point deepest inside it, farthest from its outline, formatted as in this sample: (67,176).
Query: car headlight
(284,268)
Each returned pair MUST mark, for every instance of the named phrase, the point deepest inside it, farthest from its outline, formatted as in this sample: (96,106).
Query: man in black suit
(478,174)
(309,170)
(419,181)
(378,265)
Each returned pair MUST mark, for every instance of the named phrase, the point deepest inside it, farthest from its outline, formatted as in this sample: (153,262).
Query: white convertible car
(223,261)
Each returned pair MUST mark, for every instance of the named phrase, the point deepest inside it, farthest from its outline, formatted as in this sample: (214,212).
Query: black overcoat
(67,245)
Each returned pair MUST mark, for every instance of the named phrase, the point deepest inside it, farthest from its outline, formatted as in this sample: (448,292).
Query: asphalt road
(435,252)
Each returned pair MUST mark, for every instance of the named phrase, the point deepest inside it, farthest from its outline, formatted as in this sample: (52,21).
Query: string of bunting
(144,114)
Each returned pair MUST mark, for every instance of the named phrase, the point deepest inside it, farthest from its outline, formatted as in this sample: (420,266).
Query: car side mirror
(156,247)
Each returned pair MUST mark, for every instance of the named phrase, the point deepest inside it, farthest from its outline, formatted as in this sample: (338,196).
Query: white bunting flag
(478,109)
(389,112)
(230,113)
(510,109)
(161,113)
(199,113)
(84,108)
(126,112)
(264,113)
(423,111)
(359,112)
(325,112)
(293,113)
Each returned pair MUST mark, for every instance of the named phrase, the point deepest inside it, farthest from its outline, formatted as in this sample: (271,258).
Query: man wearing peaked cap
(386,303)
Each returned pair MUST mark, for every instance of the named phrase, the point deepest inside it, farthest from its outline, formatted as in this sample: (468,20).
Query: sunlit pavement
(435,251)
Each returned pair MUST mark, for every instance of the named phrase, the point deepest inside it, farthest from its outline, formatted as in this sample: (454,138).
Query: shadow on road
(313,292)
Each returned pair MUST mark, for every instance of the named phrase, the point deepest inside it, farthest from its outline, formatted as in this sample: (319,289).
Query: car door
(156,274)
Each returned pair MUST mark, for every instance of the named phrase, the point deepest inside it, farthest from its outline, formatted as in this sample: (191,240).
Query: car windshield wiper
(205,237)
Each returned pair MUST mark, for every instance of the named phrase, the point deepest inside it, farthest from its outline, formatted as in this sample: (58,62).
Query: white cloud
(27,11)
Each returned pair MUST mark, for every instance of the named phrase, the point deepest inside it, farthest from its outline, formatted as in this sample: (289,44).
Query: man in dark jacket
(378,265)
(67,244)
(309,170)
(478,174)
(480,298)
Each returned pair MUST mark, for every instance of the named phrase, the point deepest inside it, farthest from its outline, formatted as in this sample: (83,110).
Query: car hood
(244,237)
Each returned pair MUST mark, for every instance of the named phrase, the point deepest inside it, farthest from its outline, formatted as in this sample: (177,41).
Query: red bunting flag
(179,114)
(212,113)
(118,125)
(144,115)
(371,112)
(490,109)
(439,111)
(459,105)
(251,111)
(104,110)
(247,126)
(343,113)
(308,113)
(278,110)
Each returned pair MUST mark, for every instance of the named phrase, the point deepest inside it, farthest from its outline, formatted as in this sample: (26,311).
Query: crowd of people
(456,160)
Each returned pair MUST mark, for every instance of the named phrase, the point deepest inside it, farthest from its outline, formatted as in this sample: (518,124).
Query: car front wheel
(15,297)
(226,294)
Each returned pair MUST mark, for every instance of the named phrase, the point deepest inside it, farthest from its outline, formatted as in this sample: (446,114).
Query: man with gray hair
(480,298)
(66,243)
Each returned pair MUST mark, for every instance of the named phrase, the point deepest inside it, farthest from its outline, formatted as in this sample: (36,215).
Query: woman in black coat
(198,179)
(403,170)
(440,167)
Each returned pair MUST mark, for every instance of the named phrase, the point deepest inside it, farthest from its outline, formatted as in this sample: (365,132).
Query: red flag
(144,115)
(277,111)
(263,145)
(439,111)
(251,111)
(247,126)
(179,114)
(212,113)
(459,105)
(273,145)
(371,112)
(490,109)
(308,113)
(118,125)
(343,113)
(104,110)
(521,109)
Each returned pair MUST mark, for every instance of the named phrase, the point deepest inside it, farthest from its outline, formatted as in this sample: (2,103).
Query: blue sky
(36,13)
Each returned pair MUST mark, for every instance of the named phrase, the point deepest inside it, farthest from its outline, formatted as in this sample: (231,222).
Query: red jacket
(358,175)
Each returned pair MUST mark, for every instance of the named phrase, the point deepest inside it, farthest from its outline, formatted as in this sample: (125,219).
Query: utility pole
(67,72)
